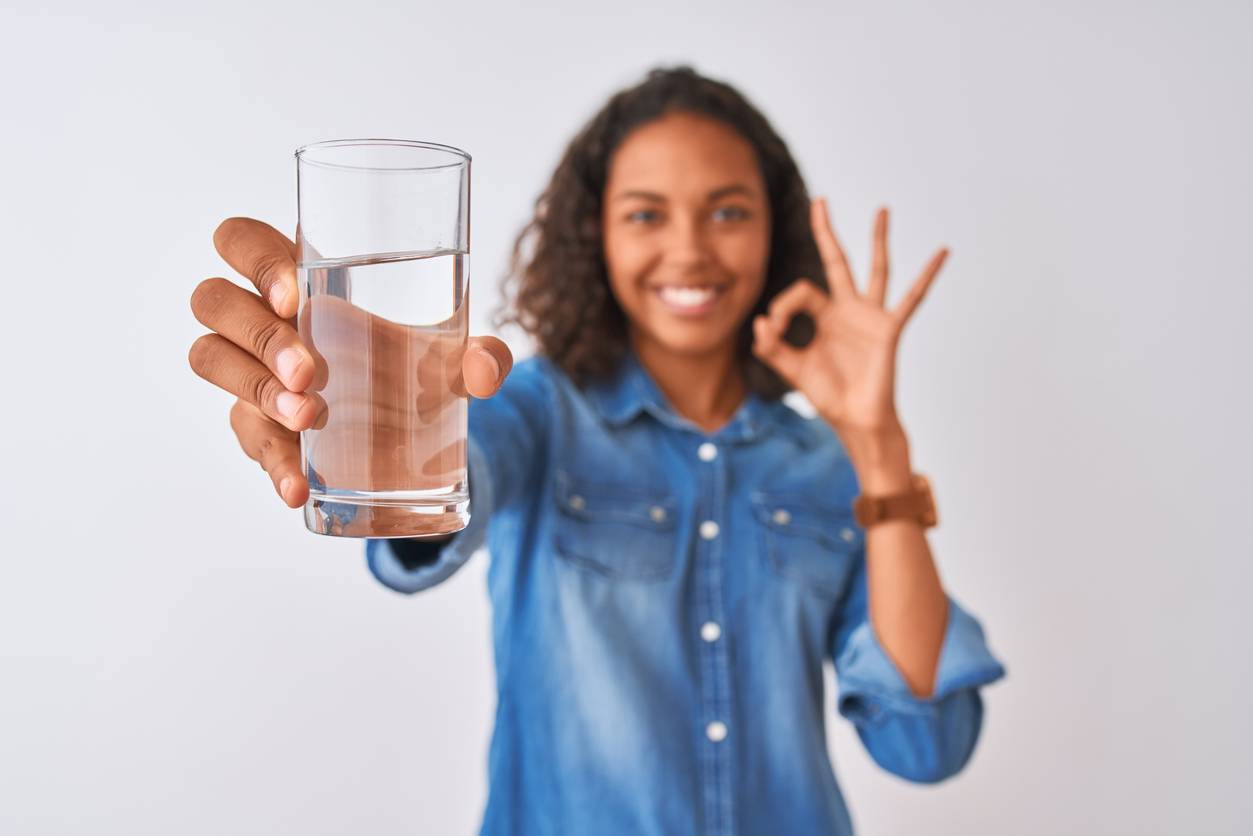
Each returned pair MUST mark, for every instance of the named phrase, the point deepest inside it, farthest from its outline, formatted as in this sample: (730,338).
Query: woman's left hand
(847,371)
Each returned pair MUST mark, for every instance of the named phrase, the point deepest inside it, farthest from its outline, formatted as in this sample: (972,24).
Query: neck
(706,389)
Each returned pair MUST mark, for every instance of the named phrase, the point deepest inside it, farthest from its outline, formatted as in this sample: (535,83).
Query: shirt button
(782,517)
(707,452)
(710,631)
(716,731)
(577,502)
(847,534)
(709,529)
(657,513)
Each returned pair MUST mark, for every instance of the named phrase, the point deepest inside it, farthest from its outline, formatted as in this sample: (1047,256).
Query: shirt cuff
(871,686)
(386,565)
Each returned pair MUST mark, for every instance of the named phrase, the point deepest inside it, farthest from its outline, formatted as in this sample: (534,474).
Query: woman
(674,550)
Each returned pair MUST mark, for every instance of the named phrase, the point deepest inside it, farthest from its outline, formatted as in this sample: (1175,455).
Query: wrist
(881,459)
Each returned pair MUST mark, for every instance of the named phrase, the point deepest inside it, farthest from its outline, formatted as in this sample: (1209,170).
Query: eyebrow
(722,191)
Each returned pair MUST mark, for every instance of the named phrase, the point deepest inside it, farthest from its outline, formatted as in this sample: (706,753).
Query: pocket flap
(605,503)
(788,514)
(817,546)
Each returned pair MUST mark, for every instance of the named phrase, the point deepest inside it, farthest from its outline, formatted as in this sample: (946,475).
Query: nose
(687,246)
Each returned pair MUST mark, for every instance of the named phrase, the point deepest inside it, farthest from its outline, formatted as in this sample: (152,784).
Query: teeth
(688,297)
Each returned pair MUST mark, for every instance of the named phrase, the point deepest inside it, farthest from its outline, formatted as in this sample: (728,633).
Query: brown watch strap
(914,503)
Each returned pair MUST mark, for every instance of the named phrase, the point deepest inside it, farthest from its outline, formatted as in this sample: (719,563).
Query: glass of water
(383,256)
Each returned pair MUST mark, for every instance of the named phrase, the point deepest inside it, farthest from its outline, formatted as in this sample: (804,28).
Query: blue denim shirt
(663,601)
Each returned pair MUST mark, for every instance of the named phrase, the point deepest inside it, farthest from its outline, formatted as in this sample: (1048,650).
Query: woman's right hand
(255,353)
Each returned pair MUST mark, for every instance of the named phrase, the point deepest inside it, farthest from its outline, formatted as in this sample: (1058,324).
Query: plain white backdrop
(178,655)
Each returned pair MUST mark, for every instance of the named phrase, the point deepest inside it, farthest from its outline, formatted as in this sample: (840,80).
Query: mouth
(691,299)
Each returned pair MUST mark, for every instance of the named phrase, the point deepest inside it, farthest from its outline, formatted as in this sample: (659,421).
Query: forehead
(682,154)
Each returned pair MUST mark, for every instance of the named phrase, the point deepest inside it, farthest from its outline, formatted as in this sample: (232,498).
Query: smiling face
(687,233)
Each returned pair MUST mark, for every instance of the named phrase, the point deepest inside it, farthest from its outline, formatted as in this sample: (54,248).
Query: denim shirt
(663,601)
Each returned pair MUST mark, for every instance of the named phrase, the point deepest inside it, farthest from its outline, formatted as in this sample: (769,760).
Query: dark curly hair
(562,296)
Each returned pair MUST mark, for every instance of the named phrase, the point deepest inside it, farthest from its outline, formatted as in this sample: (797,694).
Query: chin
(690,340)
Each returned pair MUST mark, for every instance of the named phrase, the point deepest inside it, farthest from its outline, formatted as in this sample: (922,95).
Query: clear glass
(384,254)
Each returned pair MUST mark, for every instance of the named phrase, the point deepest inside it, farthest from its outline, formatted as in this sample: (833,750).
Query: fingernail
(289,404)
(278,295)
(289,360)
(483,352)
(284,486)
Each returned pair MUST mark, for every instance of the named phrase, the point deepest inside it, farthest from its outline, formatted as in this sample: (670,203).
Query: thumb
(486,363)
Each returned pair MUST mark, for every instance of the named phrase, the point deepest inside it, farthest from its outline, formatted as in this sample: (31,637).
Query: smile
(689,300)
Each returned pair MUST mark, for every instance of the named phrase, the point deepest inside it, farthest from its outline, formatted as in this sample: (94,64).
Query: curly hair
(562,297)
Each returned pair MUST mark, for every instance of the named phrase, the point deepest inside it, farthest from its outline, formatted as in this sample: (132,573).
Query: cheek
(626,265)
(747,257)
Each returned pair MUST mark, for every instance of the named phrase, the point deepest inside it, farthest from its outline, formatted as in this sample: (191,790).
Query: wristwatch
(914,503)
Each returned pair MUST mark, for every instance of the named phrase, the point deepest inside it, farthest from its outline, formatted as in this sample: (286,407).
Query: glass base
(337,518)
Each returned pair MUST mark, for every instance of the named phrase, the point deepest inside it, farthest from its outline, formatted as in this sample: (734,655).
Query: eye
(634,217)
(735,212)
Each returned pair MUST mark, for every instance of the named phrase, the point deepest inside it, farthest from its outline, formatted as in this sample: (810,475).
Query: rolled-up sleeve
(507,445)
(919,739)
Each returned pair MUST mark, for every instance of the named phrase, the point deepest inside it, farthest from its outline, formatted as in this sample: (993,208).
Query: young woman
(674,550)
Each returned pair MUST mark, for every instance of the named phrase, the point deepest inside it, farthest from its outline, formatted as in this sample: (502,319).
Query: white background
(177,654)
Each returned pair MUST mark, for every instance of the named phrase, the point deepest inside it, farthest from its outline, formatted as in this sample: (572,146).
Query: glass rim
(302,154)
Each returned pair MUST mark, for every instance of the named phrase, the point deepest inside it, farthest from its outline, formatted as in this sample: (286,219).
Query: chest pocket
(615,531)
(815,547)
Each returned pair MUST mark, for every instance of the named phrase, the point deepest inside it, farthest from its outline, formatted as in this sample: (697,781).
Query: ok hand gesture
(848,370)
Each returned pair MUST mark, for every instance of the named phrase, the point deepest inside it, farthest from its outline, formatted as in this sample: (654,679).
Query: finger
(906,306)
(263,255)
(486,364)
(321,411)
(878,288)
(438,379)
(766,337)
(839,276)
(770,347)
(275,448)
(226,365)
(244,319)
(446,460)
(800,295)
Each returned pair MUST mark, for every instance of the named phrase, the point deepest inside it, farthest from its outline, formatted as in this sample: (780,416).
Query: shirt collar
(630,390)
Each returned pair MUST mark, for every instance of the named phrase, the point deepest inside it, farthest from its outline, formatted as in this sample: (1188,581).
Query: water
(387,455)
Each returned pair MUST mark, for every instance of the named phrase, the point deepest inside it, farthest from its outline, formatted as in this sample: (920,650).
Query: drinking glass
(383,253)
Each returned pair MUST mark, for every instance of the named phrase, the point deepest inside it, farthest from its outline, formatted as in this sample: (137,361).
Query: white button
(707,452)
(577,502)
(782,517)
(710,631)
(709,529)
(657,513)
(847,534)
(716,731)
